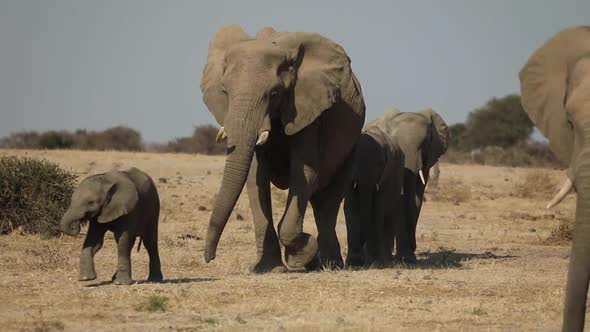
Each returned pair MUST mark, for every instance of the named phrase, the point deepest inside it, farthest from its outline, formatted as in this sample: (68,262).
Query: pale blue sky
(96,64)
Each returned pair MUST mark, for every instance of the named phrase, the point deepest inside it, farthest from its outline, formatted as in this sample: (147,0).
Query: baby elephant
(125,203)
(372,203)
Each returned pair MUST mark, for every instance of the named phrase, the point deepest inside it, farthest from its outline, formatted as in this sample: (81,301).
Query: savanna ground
(484,262)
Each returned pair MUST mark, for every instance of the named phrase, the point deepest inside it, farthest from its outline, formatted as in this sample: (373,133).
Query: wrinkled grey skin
(300,88)
(423,137)
(125,203)
(555,89)
(373,202)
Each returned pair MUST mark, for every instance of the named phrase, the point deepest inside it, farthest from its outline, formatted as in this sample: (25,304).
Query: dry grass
(536,184)
(451,190)
(483,264)
(563,233)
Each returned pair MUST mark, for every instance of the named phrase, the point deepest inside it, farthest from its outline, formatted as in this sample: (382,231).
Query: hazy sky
(96,64)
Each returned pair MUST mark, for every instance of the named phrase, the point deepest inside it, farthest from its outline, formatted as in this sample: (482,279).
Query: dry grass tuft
(452,190)
(562,233)
(45,257)
(535,184)
(153,303)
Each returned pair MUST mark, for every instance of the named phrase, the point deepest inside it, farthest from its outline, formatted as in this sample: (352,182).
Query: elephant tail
(139,244)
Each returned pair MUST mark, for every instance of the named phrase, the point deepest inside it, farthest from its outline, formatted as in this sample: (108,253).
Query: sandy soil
(484,263)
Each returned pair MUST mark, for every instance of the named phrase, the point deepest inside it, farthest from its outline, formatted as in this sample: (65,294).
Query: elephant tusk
(422,177)
(377,187)
(565,189)
(262,138)
(354,185)
(221,135)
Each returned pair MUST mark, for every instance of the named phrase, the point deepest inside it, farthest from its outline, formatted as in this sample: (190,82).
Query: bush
(524,154)
(21,140)
(117,138)
(56,140)
(500,122)
(202,141)
(34,194)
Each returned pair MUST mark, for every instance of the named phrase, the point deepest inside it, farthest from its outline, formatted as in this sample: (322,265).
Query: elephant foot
(332,263)
(87,276)
(354,262)
(121,279)
(407,258)
(155,277)
(266,264)
(302,253)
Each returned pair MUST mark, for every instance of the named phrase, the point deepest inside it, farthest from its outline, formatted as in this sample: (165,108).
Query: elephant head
(555,88)
(278,77)
(437,138)
(102,197)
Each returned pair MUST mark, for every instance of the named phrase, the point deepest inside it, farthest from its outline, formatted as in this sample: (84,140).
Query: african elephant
(125,203)
(291,110)
(423,137)
(373,199)
(555,88)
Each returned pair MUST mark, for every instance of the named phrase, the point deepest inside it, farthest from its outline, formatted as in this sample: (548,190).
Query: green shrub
(153,303)
(34,194)
(56,140)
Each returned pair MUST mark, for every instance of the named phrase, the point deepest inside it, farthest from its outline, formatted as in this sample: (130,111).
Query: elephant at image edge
(373,199)
(423,137)
(292,111)
(125,203)
(555,88)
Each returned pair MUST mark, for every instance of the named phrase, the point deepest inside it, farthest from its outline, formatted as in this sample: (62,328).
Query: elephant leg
(408,216)
(325,211)
(387,240)
(326,204)
(267,243)
(354,258)
(578,275)
(151,245)
(419,199)
(125,242)
(300,248)
(92,244)
(373,227)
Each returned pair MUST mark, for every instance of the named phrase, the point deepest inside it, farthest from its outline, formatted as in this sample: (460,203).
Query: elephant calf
(374,199)
(125,203)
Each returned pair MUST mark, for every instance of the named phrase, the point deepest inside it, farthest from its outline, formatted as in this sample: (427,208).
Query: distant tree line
(498,133)
(119,138)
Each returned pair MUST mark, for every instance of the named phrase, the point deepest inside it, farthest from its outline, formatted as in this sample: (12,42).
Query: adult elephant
(423,137)
(291,110)
(555,88)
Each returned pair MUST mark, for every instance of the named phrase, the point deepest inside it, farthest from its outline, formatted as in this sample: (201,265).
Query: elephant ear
(121,197)
(324,77)
(439,136)
(543,85)
(213,94)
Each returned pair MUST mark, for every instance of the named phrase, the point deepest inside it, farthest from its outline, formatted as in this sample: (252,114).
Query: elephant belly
(340,128)
(278,158)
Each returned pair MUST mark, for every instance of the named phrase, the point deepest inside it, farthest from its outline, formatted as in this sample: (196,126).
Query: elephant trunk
(579,266)
(70,223)
(243,124)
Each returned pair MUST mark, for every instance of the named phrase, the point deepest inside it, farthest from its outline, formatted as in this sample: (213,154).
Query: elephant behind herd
(292,113)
